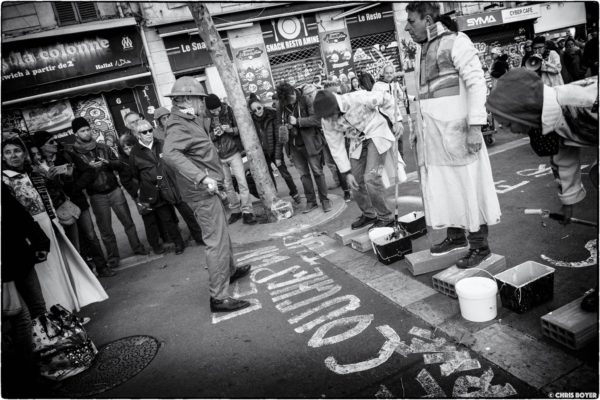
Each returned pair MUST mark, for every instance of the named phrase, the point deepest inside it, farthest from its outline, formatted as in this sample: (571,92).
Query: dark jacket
(499,67)
(267,128)
(21,238)
(306,132)
(68,183)
(228,143)
(150,170)
(189,151)
(128,180)
(104,179)
(366,80)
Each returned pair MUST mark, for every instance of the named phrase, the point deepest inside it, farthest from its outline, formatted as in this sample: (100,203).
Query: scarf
(84,147)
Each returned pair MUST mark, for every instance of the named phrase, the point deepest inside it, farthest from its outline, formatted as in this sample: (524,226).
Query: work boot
(106,272)
(228,304)
(296,199)
(141,251)
(381,224)
(309,207)
(249,219)
(362,221)
(234,217)
(326,204)
(159,250)
(179,248)
(590,301)
(474,258)
(447,246)
(240,272)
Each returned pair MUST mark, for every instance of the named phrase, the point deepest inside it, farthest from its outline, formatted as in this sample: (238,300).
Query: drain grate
(116,363)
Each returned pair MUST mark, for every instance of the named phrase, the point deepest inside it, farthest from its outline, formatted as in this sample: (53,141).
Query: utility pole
(237,100)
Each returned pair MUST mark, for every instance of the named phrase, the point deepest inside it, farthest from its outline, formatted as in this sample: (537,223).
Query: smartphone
(62,169)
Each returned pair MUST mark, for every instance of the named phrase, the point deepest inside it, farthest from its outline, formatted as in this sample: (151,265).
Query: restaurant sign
(29,63)
(291,32)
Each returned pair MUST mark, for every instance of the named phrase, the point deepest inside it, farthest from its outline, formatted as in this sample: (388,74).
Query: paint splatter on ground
(591,246)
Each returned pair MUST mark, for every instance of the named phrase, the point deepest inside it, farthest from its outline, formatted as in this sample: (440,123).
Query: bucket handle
(495,280)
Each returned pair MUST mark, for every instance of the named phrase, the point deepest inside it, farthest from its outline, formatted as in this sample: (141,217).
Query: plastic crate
(414,223)
(525,286)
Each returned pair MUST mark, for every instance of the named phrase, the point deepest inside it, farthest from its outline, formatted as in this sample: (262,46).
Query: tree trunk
(237,101)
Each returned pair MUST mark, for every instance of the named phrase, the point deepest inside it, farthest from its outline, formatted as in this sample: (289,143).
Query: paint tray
(387,248)
(414,223)
(525,286)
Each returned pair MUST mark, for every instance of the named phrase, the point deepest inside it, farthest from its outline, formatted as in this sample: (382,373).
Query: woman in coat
(64,277)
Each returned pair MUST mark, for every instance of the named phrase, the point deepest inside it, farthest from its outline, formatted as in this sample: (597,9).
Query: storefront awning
(94,84)
(260,14)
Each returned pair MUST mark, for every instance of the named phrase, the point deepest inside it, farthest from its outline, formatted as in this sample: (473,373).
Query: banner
(290,33)
(253,68)
(337,52)
(32,63)
(53,117)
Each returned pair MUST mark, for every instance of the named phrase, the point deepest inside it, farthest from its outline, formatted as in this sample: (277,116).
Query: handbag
(61,344)
(11,301)
(544,145)
(68,213)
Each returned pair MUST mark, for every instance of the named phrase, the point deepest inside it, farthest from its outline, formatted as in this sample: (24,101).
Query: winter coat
(573,63)
(567,110)
(152,173)
(267,128)
(306,132)
(189,151)
(128,180)
(394,89)
(550,71)
(227,143)
(21,238)
(104,179)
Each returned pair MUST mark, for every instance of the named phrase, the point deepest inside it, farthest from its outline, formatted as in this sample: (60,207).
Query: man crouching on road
(189,150)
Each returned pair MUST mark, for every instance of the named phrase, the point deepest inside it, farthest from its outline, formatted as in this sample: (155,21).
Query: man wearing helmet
(189,150)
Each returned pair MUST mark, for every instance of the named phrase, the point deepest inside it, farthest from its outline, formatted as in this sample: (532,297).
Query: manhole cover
(116,363)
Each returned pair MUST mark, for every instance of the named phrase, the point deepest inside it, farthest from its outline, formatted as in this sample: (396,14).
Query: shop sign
(27,64)
(372,21)
(482,20)
(255,74)
(187,52)
(337,52)
(290,32)
(521,13)
(53,117)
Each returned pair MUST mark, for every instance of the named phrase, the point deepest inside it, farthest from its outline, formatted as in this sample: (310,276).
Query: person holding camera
(57,166)
(545,62)
(103,189)
(299,129)
(226,136)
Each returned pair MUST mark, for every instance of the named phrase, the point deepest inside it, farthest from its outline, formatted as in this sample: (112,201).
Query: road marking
(591,246)
(451,367)
(237,293)
(464,383)
(353,303)
(361,322)
(508,146)
(384,393)
(430,386)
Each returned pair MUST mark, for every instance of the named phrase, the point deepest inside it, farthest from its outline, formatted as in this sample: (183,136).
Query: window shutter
(87,11)
(65,14)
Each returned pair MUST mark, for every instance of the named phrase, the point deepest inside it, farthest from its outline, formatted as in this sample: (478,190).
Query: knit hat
(325,104)
(212,101)
(518,97)
(41,137)
(79,123)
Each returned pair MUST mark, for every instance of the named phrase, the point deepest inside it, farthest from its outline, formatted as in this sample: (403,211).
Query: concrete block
(361,243)
(423,262)
(345,236)
(445,281)
(570,325)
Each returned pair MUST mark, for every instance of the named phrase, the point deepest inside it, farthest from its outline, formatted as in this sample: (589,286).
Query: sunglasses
(145,132)
(257,109)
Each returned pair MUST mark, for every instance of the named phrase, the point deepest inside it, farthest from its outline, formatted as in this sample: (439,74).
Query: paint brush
(558,217)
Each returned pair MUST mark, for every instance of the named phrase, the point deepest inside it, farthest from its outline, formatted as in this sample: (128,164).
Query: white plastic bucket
(380,236)
(477,298)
